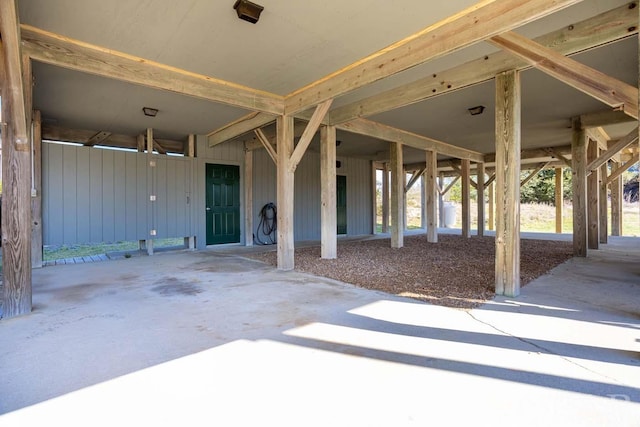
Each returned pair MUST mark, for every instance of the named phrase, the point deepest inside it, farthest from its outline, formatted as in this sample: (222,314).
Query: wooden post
(593,193)
(151,185)
(285,188)
(385,198)
(36,199)
(602,204)
(404,198)
(190,151)
(328,213)
(16,198)
(440,200)
(579,188)
(374,198)
(142,244)
(248,197)
(616,204)
(397,195)
(431,194)
(423,202)
(508,183)
(559,198)
(491,206)
(465,167)
(480,197)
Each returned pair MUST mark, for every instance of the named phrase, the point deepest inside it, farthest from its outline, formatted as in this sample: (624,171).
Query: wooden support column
(579,188)
(140,140)
(151,185)
(397,195)
(374,198)
(190,151)
(441,200)
(465,167)
(491,206)
(36,196)
(404,198)
(385,198)
(328,213)
(248,197)
(423,203)
(16,171)
(480,197)
(559,199)
(616,204)
(285,188)
(508,183)
(431,194)
(603,205)
(593,196)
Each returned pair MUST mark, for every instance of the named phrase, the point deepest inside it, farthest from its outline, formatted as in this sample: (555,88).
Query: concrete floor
(208,338)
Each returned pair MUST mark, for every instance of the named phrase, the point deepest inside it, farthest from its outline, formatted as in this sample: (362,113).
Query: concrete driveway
(207,338)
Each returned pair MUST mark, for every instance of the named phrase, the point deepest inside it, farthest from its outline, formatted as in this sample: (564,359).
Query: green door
(223,204)
(341,203)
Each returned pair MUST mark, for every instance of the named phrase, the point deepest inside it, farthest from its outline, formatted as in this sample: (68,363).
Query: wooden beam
(593,193)
(507,266)
(559,198)
(472,25)
(604,118)
(615,174)
(190,151)
(328,213)
(465,168)
(414,178)
(390,134)
(560,156)
(16,196)
(14,79)
(430,191)
(602,205)
(248,198)
(451,184)
(285,190)
(158,147)
(624,142)
(97,138)
(616,203)
(307,135)
(397,195)
(533,173)
(385,198)
(480,198)
(579,188)
(609,90)
(267,145)
(601,29)
(36,195)
(239,127)
(374,197)
(151,201)
(490,180)
(55,49)
(491,205)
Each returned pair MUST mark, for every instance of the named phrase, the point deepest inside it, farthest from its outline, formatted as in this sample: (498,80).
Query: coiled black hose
(268,224)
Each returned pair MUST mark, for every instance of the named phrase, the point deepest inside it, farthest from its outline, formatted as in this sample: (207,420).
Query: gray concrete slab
(205,338)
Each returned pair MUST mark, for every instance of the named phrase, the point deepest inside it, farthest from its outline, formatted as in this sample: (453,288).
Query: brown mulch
(455,272)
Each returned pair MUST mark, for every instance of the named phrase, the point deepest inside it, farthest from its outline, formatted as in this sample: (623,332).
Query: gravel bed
(454,272)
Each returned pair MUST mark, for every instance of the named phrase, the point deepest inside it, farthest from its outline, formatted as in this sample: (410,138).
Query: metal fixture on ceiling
(148,111)
(476,111)
(248,11)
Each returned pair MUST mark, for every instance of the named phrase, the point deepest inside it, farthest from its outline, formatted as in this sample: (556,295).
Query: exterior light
(476,111)
(248,11)
(151,112)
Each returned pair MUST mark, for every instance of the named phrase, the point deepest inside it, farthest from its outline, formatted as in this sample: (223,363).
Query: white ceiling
(295,43)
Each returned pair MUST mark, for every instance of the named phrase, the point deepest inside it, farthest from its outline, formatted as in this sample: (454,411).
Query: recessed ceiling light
(476,111)
(248,11)
(148,111)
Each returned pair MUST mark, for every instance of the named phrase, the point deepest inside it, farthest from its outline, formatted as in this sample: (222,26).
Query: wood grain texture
(602,205)
(480,187)
(602,29)
(285,192)
(238,127)
(431,196)
(248,198)
(309,131)
(68,53)
(465,176)
(385,198)
(267,145)
(604,118)
(36,200)
(579,188)
(616,202)
(397,195)
(328,214)
(508,144)
(593,198)
(559,198)
(621,144)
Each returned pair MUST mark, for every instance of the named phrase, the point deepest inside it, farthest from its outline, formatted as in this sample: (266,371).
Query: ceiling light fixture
(248,11)
(148,111)
(476,111)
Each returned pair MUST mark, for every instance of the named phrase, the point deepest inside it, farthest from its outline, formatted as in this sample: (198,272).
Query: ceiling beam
(604,118)
(238,127)
(609,90)
(10,31)
(590,33)
(390,134)
(65,52)
(616,173)
(624,142)
(474,24)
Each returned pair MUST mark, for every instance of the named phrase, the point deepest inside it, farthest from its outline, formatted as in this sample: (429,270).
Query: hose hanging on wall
(268,224)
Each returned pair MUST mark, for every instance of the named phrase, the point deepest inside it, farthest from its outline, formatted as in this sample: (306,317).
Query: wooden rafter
(601,29)
(307,135)
(414,178)
(238,127)
(490,180)
(10,30)
(615,174)
(65,52)
(624,142)
(554,152)
(388,133)
(448,187)
(533,173)
(98,138)
(604,118)
(472,25)
(267,145)
(158,147)
(612,92)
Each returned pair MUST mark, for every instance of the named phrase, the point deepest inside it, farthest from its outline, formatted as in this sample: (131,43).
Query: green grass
(54,252)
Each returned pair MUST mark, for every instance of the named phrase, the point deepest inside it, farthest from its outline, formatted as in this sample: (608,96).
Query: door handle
(208,208)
